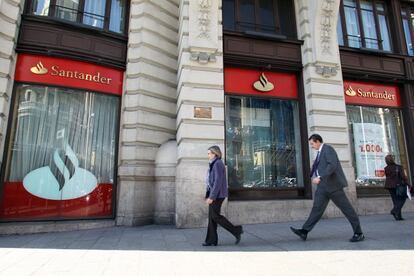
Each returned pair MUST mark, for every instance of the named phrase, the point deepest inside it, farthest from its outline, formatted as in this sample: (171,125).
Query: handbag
(401,188)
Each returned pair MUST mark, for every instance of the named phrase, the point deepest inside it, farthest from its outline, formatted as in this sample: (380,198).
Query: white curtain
(368,22)
(352,26)
(94,13)
(117,20)
(47,119)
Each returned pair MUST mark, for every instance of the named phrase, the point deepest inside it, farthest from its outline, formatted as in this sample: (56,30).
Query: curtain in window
(41,7)
(368,22)
(407,35)
(386,43)
(51,118)
(351,19)
(263,147)
(117,20)
(67,9)
(94,13)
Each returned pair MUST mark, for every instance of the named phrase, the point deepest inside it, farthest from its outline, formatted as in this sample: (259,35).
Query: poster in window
(369,151)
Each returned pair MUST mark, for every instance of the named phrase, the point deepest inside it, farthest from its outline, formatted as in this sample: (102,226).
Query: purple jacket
(217,180)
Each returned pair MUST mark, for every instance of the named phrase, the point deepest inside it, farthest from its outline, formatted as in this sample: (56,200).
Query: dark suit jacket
(217,181)
(391,176)
(330,170)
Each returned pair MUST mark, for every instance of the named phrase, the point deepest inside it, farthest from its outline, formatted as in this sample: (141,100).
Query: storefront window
(108,15)
(61,155)
(263,148)
(375,132)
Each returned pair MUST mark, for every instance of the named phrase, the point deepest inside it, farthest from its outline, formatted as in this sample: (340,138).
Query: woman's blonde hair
(216,151)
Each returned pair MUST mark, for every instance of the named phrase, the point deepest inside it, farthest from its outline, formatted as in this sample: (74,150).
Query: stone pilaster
(10,11)
(200,88)
(148,106)
(325,104)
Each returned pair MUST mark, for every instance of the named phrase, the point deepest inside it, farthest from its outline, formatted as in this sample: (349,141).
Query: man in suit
(330,179)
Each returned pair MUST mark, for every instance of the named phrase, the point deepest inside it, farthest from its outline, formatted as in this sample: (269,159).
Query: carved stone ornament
(203,57)
(326,25)
(204,18)
(327,70)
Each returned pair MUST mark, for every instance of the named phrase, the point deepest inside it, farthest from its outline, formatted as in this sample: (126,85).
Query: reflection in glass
(117,20)
(41,7)
(375,132)
(94,13)
(262,143)
(67,9)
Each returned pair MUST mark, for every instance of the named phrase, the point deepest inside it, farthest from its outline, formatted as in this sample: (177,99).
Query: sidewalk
(265,249)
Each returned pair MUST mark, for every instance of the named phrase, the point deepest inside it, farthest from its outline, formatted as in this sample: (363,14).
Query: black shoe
(302,233)
(209,244)
(357,237)
(238,236)
(394,215)
(400,218)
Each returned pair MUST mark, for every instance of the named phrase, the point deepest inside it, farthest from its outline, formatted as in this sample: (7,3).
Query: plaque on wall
(202,112)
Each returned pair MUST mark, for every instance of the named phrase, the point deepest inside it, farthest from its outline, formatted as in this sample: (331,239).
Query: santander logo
(72,182)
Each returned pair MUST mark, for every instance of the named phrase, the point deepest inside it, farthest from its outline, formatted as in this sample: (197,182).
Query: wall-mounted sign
(202,112)
(362,93)
(68,73)
(254,82)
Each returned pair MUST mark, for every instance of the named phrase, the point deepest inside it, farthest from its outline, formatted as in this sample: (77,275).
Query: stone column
(148,105)
(322,77)
(10,11)
(200,105)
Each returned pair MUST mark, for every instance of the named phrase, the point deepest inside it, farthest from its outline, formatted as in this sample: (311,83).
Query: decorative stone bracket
(326,70)
(203,57)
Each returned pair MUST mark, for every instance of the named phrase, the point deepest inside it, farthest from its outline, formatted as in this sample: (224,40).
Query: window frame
(408,9)
(258,26)
(362,38)
(79,17)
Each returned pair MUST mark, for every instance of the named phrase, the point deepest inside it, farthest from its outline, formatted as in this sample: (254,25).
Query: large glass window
(364,24)
(263,148)
(108,15)
(407,14)
(61,155)
(259,16)
(375,132)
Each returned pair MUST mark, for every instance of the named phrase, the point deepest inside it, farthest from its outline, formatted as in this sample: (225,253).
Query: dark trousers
(320,203)
(214,218)
(397,201)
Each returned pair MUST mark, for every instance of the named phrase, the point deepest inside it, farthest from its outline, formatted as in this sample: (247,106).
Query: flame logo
(39,69)
(69,181)
(263,84)
(350,92)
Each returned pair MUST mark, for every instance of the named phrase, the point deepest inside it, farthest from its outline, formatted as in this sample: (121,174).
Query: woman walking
(394,173)
(215,195)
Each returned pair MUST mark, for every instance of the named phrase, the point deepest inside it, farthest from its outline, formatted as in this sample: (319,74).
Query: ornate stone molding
(326,70)
(327,25)
(204,18)
(203,30)
(203,57)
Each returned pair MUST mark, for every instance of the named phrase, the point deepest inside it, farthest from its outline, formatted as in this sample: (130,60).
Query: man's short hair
(316,137)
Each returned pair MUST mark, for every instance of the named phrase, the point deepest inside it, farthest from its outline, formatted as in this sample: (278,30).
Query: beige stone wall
(200,84)
(10,11)
(148,106)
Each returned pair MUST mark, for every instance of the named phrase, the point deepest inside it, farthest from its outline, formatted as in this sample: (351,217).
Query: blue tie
(315,165)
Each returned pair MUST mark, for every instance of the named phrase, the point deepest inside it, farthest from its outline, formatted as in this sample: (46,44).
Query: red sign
(260,83)
(364,93)
(68,73)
